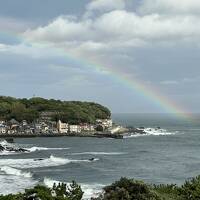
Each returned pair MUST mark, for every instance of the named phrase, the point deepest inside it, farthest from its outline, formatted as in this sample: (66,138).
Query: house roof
(14,121)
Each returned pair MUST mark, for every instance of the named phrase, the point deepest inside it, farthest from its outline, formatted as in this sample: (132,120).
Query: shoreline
(94,135)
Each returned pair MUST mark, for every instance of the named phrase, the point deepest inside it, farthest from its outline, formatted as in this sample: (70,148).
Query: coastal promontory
(73,112)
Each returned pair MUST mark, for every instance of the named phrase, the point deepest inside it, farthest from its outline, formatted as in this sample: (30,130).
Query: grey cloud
(157,43)
(170,7)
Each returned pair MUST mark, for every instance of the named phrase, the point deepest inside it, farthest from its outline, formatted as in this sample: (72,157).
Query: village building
(24,123)
(3,129)
(37,127)
(106,123)
(75,128)
(100,128)
(2,122)
(11,131)
(62,127)
(87,127)
(14,124)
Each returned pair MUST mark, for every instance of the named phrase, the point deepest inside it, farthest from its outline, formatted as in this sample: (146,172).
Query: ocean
(167,155)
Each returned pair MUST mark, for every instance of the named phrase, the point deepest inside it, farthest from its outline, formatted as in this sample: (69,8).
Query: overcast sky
(51,49)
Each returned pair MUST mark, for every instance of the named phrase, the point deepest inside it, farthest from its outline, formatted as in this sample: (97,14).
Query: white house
(24,123)
(2,122)
(75,129)
(87,127)
(62,127)
(3,129)
(107,123)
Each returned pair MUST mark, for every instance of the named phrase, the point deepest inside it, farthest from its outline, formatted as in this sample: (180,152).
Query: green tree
(128,189)
(68,111)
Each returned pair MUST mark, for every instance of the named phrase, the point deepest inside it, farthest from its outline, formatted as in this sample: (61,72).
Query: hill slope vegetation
(68,111)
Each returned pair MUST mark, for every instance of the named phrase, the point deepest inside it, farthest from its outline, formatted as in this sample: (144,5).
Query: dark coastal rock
(2,148)
(38,159)
(137,130)
(22,150)
(12,149)
(141,128)
(140,132)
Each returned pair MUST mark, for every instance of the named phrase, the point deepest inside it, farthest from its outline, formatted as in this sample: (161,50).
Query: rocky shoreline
(97,135)
(117,135)
(13,149)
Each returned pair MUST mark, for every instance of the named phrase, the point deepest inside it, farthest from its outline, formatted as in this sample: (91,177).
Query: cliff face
(70,111)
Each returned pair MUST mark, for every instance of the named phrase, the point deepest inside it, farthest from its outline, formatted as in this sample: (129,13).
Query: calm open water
(157,158)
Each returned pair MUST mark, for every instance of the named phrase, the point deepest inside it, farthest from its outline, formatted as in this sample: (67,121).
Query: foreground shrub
(190,190)
(58,192)
(128,189)
(168,192)
(124,189)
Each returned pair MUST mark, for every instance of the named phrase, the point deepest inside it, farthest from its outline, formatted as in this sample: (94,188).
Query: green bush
(128,189)
(190,190)
(124,189)
(40,192)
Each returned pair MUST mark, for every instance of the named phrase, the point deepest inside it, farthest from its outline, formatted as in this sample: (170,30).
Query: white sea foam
(14,184)
(39,162)
(5,144)
(90,190)
(17,172)
(15,180)
(98,153)
(6,153)
(32,149)
(150,132)
(157,131)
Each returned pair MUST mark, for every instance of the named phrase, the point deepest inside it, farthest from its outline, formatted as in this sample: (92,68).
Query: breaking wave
(98,153)
(40,162)
(13,171)
(15,184)
(7,148)
(4,143)
(15,180)
(150,132)
(32,149)
(10,149)
(90,190)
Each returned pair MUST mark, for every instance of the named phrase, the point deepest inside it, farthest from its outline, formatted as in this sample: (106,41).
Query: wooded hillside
(68,111)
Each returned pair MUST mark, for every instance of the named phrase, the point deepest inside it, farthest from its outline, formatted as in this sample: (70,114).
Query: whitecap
(14,180)
(10,148)
(13,171)
(15,184)
(99,153)
(32,149)
(39,162)
(5,144)
(150,132)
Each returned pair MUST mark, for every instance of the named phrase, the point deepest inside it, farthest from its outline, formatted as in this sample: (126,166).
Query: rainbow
(147,92)
(138,86)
